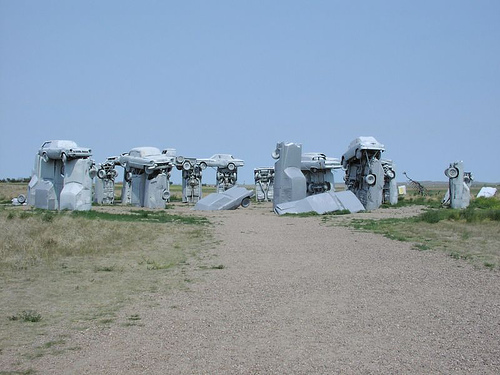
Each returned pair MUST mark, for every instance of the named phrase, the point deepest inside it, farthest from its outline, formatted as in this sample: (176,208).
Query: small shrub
(422,247)
(339,212)
(485,203)
(493,214)
(431,217)
(470,215)
(27,316)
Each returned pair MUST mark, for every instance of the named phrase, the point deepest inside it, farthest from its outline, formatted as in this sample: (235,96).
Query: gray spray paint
(318,171)
(390,192)
(289,181)
(192,173)
(146,177)
(264,184)
(459,181)
(227,200)
(364,174)
(104,187)
(62,177)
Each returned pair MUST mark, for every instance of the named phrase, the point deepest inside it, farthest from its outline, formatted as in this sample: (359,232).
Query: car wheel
(92,172)
(186,165)
(370,179)
(101,173)
(165,195)
(391,174)
(45,157)
(128,176)
(203,165)
(451,172)
(245,202)
(231,166)
(64,157)
(21,198)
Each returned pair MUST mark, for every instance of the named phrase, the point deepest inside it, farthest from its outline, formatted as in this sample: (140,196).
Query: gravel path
(299,297)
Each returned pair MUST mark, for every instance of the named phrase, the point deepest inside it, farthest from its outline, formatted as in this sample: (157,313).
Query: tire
(231,166)
(186,165)
(64,157)
(370,179)
(101,174)
(245,202)
(179,159)
(203,165)
(45,157)
(128,176)
(21,198)
(391,174)
(165,195)
(451,172)
(275,155)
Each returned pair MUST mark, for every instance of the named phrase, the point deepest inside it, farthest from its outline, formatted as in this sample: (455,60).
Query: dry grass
(477,242)
(78,274)
(9,190)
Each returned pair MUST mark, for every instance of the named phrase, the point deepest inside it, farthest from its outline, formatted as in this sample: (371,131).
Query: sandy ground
(299,297)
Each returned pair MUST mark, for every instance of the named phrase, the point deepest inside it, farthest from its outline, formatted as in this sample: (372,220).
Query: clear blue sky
(205,77)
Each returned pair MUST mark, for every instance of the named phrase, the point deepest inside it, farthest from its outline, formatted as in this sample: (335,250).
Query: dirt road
(299,297)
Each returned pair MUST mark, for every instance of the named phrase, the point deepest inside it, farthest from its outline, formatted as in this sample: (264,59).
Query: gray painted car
(221,161)
(147,158)
(230,199)
(62,150)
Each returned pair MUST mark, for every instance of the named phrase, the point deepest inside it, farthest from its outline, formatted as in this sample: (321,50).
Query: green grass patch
(143,216)
(472,234)
(313,213)
(417,200)
(471,215)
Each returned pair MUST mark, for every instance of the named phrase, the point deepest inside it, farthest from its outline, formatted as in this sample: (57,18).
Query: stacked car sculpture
(63,174)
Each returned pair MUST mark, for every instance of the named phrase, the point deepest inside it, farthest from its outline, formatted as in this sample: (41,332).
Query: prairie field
(71,283)
(62,273)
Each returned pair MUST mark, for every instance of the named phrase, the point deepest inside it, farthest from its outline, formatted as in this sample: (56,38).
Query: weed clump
(431,217)
(27,316)
(471,214)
